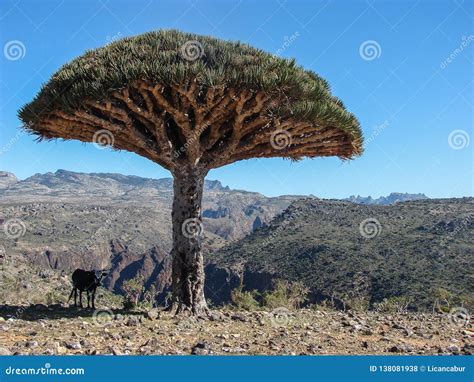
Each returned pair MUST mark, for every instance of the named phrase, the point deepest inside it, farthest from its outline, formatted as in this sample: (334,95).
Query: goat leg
(70,296)
(93,298)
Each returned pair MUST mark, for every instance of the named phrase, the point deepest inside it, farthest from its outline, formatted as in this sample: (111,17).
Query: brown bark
(188,262)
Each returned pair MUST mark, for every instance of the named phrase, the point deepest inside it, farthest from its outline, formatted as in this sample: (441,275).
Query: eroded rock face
(67,220)
(154,266)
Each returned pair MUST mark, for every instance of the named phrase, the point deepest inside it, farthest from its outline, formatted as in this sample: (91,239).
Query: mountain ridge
(44,185)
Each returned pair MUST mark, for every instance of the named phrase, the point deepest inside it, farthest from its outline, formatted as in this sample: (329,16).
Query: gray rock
(216,316)
(73,345)
(5,351)
(239,317)
(453,348)
(152,314)
(132,321)
(116,351)
(201,348)
(400,349)
(468,349)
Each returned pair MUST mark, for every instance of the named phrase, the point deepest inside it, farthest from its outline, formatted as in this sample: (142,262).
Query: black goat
(85,281)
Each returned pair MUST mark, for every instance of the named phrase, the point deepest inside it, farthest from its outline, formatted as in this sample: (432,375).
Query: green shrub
(396,304)
(109,299)
(357,303)
(245,300)
(132,289)
(443,299)
(149,297)
(290,295)
(53,297)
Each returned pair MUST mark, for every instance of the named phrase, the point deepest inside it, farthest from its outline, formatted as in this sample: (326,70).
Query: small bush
(109,299)
(443,299)
(398,304)
(132,289)
(149,297)
(245,300)
(358,303)
(290,295)
(53,297)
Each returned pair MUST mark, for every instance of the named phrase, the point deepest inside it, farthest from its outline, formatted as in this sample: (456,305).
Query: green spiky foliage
(158,57)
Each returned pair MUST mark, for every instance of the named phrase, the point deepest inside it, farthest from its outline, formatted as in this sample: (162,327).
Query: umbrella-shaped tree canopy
(192,103)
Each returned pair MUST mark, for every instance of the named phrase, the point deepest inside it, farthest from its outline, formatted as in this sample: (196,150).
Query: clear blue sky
(415,107)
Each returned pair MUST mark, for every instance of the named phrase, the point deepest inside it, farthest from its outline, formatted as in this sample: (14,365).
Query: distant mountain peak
(394,197)
(7,179)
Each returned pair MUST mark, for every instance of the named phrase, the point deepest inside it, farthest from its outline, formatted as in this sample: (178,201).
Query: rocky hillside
(62,221)
(68,220)
(230,214)
(360,252)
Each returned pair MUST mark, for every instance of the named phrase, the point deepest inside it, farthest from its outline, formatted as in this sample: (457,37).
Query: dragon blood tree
(192,103)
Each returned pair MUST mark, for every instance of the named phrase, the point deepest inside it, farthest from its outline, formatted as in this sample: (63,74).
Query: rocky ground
(56,329)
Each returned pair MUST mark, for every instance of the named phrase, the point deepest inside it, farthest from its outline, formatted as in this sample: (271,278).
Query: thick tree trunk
(188,262)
